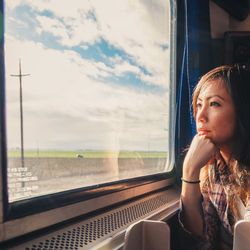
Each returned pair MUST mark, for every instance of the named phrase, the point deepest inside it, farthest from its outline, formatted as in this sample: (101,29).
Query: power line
(20,76)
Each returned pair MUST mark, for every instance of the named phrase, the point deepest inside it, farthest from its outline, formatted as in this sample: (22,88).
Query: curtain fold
(193,59)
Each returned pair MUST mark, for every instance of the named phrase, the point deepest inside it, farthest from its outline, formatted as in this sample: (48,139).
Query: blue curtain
(193,59)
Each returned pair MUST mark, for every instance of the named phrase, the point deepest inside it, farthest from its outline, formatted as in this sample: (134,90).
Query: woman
(216,169)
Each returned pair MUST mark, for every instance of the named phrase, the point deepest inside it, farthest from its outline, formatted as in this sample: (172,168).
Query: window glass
(87,90)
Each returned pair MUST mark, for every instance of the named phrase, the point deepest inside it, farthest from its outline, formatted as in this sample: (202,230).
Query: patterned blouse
(222,185)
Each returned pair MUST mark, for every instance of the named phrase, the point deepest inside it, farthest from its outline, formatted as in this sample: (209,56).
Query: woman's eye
(216,104)
(198,105)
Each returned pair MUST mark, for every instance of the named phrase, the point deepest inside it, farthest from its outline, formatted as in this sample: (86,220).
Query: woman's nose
(202,114)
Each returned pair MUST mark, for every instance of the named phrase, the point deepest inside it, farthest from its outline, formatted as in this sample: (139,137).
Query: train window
(88,97)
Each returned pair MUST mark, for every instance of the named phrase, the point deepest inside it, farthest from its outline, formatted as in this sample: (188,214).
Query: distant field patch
(87,154)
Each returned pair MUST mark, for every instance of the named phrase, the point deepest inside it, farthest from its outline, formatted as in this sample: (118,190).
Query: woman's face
(215,116)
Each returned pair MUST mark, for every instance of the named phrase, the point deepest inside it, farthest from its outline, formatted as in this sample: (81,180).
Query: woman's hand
(200,152)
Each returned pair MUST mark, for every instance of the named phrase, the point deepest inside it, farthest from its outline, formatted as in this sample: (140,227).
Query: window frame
(48,202)
(55,208)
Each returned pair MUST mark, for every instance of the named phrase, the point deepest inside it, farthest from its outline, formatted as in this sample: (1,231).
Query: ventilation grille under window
(87,233)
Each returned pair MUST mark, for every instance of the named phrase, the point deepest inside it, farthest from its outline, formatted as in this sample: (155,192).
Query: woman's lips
(203,131)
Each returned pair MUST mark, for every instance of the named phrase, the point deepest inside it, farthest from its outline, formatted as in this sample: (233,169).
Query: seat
(242,235)
(147,235)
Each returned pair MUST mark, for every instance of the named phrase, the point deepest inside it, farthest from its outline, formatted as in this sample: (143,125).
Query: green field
(87,154)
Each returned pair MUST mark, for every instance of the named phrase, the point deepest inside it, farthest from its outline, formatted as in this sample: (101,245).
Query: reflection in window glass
(87,90)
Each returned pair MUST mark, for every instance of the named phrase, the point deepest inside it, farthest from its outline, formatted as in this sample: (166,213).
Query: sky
(98,74)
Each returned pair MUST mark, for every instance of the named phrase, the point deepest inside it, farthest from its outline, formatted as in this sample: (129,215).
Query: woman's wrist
(191,175)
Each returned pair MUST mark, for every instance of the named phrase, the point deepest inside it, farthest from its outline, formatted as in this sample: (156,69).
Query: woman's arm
(200,152)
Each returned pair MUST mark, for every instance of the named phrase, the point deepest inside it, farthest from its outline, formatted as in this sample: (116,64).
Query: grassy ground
(88,154)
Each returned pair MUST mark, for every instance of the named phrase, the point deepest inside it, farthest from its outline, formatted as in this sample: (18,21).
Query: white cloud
(65,108)
(64,104)
(126,67)
(53,26)
(137,27)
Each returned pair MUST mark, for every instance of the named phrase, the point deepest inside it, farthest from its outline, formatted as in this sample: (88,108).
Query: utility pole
(20,76)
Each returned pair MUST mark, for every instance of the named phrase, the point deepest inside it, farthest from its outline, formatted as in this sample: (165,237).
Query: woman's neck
(226,153)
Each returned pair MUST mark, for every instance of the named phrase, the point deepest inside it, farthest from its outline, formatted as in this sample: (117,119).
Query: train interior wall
(221,23)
